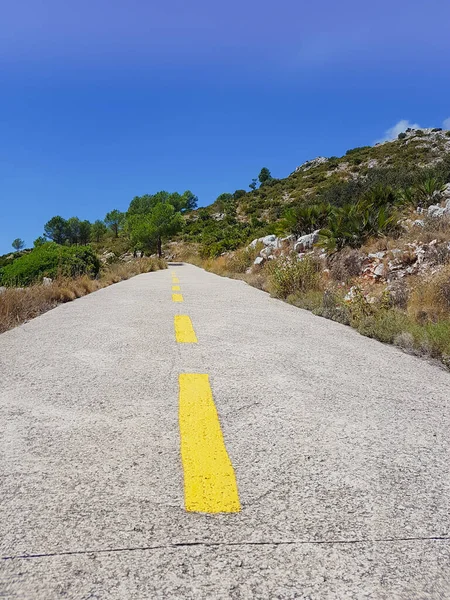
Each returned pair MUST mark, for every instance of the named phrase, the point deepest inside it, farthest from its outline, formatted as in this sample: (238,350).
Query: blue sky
(102,100)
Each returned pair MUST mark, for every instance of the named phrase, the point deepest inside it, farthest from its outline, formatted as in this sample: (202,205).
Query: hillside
(233,219)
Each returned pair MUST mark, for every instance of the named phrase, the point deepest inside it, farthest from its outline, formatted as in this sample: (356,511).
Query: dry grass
(429,299)
(20,305)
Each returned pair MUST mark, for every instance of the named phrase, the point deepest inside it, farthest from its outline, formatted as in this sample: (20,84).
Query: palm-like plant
(353,224)
(306,219)
(430,191)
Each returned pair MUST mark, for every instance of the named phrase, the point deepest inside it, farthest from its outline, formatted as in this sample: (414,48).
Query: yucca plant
(306,218)
(353,224)
(430,191)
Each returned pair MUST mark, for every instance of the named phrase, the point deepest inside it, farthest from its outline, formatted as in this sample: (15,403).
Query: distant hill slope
(233,219)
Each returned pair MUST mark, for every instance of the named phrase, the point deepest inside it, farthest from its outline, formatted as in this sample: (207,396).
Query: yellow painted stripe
(184,331)
(173,273)
(175,280)
(209,479)
(176,288)
(177,298)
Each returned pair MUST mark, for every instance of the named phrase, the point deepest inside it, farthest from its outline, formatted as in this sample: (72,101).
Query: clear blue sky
(102,100)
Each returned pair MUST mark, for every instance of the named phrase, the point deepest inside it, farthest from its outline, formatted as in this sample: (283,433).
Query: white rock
(47,281)
(419,223)
(377,255)
(258,260)
(379,270)
(309,164)
(270,240)
(306,242)
(436,211)
(2,289)
(266,252)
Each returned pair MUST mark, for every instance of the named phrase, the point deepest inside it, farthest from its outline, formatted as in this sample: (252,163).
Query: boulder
(309,164)
(259,260)
(47,281)
(266,252)
(2,289)
(435,211)
(306,242)
(268,240)
(108,257)
(380,270)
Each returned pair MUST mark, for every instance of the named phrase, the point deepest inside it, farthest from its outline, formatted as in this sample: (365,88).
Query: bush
(51,260)
(430,297)
(346,264)
(401,136)
(288,275)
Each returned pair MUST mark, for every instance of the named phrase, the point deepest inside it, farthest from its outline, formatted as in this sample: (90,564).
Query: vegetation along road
(183,435)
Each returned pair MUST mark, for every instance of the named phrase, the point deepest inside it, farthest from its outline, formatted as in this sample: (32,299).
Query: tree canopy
(114,220)
(148,230)
(146,203)
(18,244)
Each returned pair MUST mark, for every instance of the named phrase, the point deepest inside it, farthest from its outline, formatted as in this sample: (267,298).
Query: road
(293,458)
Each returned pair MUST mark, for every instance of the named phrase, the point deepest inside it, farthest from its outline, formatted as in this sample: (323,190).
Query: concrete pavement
(339,444)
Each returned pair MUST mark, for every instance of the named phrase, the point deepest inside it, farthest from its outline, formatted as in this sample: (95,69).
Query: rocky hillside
(234,219)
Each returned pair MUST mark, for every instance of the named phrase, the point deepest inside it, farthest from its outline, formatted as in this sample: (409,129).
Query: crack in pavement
(177,545)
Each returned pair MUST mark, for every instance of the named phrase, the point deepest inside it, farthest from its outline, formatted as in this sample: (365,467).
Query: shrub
(430,297)
(51,260)
(346,264)
(401,136)
(288,275)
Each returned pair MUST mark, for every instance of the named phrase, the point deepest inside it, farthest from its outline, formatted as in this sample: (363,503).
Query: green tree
(98,230)
(73,230)
(114,220)
(56,229)
(84,232)
(40,241)
(264,176)
(18,244)
(253,184)
(149,230)
(146,203)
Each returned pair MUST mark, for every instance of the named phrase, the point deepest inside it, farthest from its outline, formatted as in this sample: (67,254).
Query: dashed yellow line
(175,280)
(209,479)
(176,288)
(177,298)
(184,330)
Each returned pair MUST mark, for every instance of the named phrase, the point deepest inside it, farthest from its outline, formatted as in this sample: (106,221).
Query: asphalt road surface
(293,458)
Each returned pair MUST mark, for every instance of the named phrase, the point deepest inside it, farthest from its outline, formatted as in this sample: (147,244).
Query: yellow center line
(184,331)
(177,298)
(176,288)
(209,479)
(175,280)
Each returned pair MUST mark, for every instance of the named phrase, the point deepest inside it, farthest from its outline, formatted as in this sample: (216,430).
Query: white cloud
(400,127)
(446,123)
